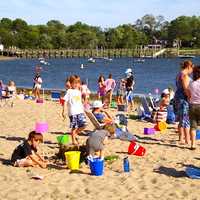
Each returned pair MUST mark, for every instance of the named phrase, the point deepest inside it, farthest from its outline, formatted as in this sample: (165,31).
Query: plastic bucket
(136,149)
(160,126)
(197,134)
(96,166)
(62,101)
(41,127)
(73,159)
(113,104)
(39,101)
(63,139)
(149,131)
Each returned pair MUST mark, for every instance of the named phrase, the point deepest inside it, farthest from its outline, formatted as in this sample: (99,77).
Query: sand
(159,174)
(2,58)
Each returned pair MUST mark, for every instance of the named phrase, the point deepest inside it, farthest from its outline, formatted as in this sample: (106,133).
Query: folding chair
(55,95)
(4,100)
(145,104)
(94,121)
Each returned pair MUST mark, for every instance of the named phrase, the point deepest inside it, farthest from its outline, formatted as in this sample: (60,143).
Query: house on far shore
(1,47)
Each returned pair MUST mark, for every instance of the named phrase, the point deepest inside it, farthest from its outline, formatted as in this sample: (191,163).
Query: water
(153,73)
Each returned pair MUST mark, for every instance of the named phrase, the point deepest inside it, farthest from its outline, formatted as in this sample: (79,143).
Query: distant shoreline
(7,58)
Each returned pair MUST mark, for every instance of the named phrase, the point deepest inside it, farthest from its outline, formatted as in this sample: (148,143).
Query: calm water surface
(153,73)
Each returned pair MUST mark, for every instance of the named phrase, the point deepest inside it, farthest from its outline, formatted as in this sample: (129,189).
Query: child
(75,108)
(11,89)
(11,92)
(110,86)
(25,155)
(85,92)
(103,117)
(161,114)
(101,88)
(194,109)
(117,128)
(95,143)
(121,90)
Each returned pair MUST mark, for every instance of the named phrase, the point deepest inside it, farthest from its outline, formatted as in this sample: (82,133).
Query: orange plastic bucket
(160,126)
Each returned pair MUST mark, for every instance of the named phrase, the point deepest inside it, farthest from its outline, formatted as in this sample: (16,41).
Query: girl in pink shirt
(110,86)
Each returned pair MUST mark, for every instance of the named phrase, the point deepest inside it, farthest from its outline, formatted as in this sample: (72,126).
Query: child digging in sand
(25,155)
(95,143)
(74,104)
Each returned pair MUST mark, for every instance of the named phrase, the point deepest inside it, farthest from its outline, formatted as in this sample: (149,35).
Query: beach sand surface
(160,174)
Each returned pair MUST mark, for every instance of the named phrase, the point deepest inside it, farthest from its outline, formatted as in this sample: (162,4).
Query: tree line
(183,30)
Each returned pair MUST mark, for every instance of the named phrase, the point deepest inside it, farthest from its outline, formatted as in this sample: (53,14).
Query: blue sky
(104,13)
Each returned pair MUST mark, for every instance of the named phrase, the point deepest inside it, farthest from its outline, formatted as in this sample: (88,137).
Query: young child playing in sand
(160,115)
(95,143)
(75,108)
(25,155)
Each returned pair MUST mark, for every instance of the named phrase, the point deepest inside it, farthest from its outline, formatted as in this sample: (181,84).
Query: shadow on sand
(168,171)
(12,138)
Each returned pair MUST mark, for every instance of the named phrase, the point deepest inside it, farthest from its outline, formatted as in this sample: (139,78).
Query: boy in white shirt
(74,104)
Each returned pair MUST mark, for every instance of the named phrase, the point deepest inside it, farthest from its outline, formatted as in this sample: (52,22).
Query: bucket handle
(136,147)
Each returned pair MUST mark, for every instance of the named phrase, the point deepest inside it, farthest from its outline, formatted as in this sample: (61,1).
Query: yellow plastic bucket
(73,158)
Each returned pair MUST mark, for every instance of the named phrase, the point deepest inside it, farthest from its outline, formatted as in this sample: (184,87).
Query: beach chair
(55,95)
(144,107)
(5,100)
(94,121)
(153,102)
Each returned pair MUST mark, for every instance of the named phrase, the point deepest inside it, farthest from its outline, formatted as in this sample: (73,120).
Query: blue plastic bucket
(96,166)
(197,134)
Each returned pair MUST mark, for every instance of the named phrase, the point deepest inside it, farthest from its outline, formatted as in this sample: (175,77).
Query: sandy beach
(2,58)
(160,174)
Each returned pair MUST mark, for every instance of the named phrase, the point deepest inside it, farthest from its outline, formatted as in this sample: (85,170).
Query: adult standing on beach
(130,82)
(110,86)
(37,84)
(194,110)
(181,101)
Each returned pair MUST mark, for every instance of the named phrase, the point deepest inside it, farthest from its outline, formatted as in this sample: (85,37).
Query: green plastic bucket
(63,139)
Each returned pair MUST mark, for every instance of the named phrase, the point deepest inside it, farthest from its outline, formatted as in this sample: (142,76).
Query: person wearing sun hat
(103,116)
(129,84)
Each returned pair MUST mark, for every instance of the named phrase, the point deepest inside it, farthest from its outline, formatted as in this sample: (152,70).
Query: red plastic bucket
(136,149)
(62,101)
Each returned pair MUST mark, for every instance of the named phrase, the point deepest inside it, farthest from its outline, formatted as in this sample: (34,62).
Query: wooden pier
(77,53)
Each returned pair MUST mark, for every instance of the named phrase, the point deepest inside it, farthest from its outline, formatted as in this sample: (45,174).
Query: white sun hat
(97,104)
(165,91)
(129,70)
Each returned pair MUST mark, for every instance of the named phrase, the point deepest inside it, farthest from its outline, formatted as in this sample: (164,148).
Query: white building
(1,47)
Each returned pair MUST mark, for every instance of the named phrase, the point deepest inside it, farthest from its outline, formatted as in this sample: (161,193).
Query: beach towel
(193,173)
(124,135)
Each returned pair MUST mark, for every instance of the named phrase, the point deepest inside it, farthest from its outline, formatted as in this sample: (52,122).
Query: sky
(104,13)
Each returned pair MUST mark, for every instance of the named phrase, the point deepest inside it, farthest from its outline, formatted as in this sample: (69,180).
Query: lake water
(153,73)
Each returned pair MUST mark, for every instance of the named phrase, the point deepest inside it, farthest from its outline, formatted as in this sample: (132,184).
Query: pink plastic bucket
(39,101)
(41,127)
